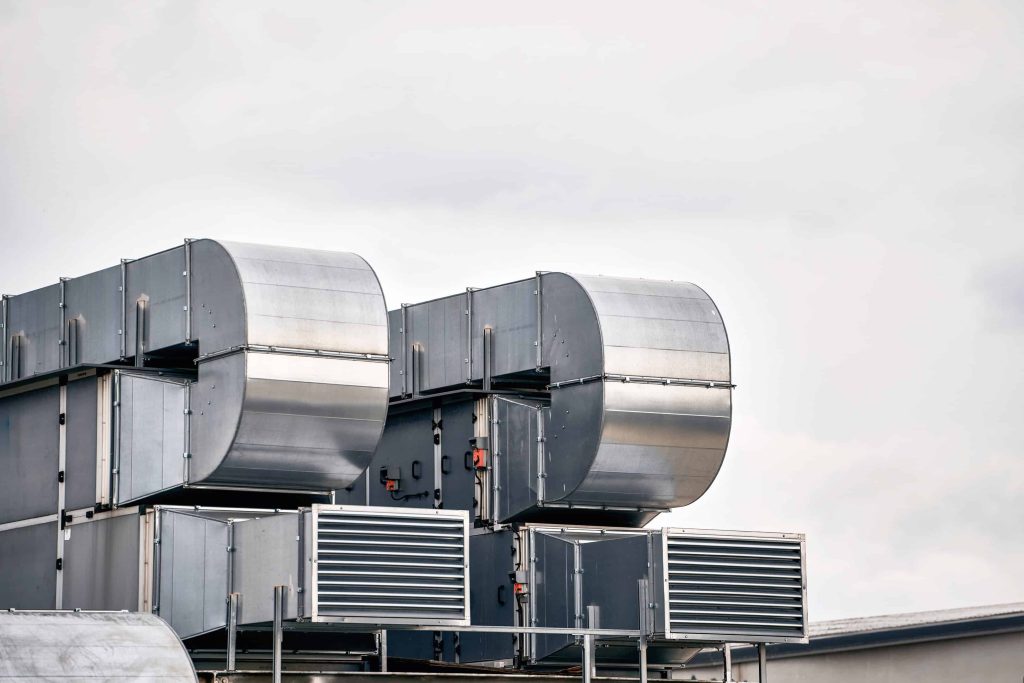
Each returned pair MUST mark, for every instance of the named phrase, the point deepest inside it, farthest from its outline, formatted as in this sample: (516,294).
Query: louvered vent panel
(383,565)
(736,587)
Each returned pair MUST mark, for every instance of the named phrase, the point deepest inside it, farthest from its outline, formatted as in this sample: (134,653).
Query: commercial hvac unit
(532,428)
(562,398)
(340,564)
(684,586)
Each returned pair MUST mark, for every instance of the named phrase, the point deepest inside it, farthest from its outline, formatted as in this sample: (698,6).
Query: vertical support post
(123,332)
(187,274)
(588,658)
(727,662)
(3,337)
(540,322)
(382,650)
(62,456)
(541,443)
(115,454)
(62,342)
(643,659)
(469,335)
(435,419)
(488,357)
(405,351)
(762,663)
(232,630)
(140,333)
(186,466)
(278,630)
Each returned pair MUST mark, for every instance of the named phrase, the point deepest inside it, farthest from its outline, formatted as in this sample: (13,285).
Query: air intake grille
(384,565)
(736,587)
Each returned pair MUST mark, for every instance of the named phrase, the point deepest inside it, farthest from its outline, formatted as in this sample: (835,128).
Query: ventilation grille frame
(357,577)
(701,604)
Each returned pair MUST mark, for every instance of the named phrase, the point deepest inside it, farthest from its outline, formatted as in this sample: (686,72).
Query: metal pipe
(727,662)
(643,659)
(382,650)
(762,663)
(232,630)
(278,630)
(588,658)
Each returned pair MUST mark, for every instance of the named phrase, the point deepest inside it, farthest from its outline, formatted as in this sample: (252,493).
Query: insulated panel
(80,464)
(517,454)
(192,584)
(28,556)
(160,281)
(93,309)
(29,443)
(35,318)
(102,563)
(552,590)
(150,435)
(492,602)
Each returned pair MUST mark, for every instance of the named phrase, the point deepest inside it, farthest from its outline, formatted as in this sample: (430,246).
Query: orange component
(391,485)
(479,458)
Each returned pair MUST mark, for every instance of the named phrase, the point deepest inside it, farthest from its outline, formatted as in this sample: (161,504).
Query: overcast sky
(846,180)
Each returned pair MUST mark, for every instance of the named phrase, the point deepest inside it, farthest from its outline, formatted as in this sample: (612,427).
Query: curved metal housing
(637,373)
(640,391)
(291,347)
(292,387)
(108,646)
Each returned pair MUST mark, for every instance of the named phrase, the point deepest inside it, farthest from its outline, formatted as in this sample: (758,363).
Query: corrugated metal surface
(383,565)
(735,587)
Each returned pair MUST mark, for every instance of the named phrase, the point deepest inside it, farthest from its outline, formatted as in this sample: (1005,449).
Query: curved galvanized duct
(292,362)
(641,398)
(292,388)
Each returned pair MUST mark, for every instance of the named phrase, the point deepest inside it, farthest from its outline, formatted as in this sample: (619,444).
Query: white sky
(844,179)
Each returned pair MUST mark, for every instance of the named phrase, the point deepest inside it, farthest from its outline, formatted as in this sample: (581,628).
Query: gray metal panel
(408,438)
(611,569)
(553,590)
(29,441)
(510,310)
(80,463)
(36,317)
(457,480)
(515,448)
(151,435)
(101,563)
(193,571)
(439,329)
(160,280)
(27,564)
(492,602)
(76,646)
(266,555)
(94,302)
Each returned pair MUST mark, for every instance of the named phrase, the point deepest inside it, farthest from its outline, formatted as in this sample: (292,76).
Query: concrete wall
(979,658)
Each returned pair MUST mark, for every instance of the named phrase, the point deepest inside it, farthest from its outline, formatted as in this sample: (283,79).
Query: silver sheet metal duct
(75,646)
(291,347)
(638,373)
(341,564)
